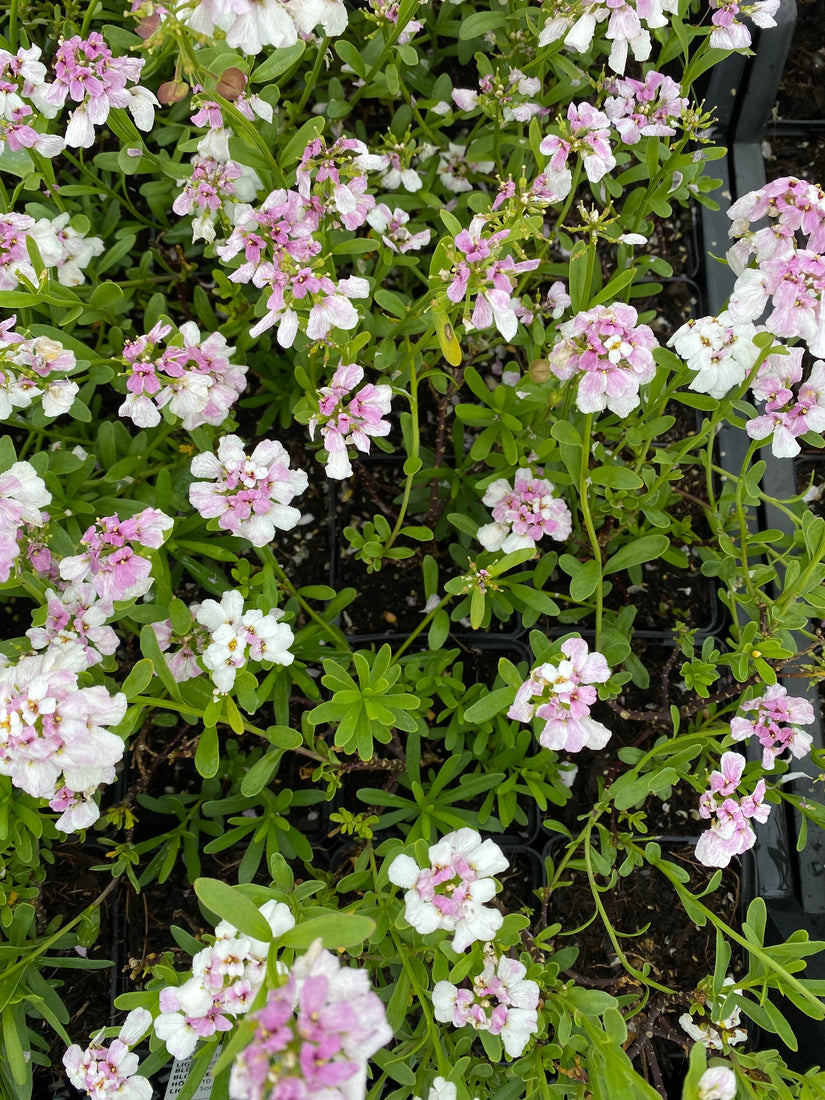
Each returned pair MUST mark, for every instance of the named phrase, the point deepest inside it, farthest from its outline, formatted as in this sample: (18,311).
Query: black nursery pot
(791,883)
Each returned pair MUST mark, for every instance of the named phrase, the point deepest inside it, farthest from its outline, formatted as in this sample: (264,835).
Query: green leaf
(281,60)
(616,477)
(208,753)
(139,678)
(149,648)
(230,904)
(644,549)
(260,773)
(336,930)
(479,23)
(490,705)
(586,581)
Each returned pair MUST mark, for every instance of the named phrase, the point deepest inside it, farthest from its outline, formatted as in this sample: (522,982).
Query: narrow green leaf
(336,930)
(228,903)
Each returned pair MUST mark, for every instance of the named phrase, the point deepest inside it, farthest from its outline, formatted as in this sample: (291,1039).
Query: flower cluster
(23,89)
(508,98)
(790,273)
(60,245)
(193,379)
(87,73)
(314,1035)
(625,29)
(392,225)
(731,832)
(237,636)
(281,252)
(333,180)
(352,423)
(250,494)
(53,743)
(213,186)
(586,133)
(719,1031)
(451,892)
(454,166)
(22,495)
(776,725)
(482,272)
(645,109)
(109,1072)
(34,368)
(110,563)
(787,415)
(612,353)
(501,1001)
(728,32)
(523,513)
(719,349)
(249,25)
(76,617)
(561,696)
(225,979)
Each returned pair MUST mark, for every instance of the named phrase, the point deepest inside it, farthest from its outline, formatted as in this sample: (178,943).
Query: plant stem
(594,889)
(588,522)
(266,556)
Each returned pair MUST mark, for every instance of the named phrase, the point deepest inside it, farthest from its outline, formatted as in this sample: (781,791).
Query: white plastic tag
(179,1074)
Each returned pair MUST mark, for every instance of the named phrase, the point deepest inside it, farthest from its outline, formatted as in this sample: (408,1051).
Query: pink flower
(87,73)
(76,616)
(226,978)
(52,733)
(561,696)
(651,108)
(720,350)
(729,33)
(250,494)
(501,1001)
(250,25)
(314,1035)
(352,423)
(451,892)
(523,513)
(587,133)
(730,833)
(110,563)
(109,1072)
(22,496)
(613,354)
(776,725)
(195,380)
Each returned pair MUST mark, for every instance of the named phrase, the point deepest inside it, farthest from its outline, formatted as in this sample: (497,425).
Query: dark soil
(795,137)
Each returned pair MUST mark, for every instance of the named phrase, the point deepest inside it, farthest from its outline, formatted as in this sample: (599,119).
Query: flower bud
(231,84)
(173,91)
(539,371)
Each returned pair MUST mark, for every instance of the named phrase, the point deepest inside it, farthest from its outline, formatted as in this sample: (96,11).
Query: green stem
(266,556)
(435,1035)
(123,199)
(13,26)
(312,79)
(421,626)
(588,522)
(44,946)
(743,521)
(594,889)
(762,954)
(91,12)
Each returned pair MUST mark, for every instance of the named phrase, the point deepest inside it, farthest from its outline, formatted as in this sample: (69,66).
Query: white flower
(717,1083)
(451,892)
